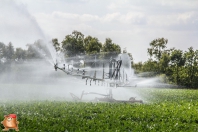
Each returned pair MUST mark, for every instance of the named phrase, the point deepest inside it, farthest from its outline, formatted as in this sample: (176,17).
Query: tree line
(75,44)
(173,65)
(72,45)
(176,66)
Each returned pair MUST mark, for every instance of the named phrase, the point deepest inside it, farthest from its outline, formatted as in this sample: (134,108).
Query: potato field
(165,110)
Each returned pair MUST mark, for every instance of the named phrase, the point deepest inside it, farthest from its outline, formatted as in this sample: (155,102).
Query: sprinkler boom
(116,76)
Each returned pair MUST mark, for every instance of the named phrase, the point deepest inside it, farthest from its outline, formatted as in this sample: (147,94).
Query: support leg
(90,82)
(86,81)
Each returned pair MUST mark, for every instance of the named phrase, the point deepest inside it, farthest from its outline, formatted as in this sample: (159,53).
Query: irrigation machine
(113,75)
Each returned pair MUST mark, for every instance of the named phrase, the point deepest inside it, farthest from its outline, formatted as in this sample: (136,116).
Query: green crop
(168,111)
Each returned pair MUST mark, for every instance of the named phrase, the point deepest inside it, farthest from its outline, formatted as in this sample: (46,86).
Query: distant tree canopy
(111,47)
(2,50)
(7,51)
(180,68)
(37,50)
(20,54)
(56,44)
(92,45)
(73,44)
(177,66)
(157,47)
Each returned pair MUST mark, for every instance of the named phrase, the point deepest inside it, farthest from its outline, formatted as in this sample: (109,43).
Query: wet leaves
(169,110)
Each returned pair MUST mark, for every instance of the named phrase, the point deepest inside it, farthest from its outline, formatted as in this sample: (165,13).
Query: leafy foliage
(73,44)
(181,68)
(20,54)
(56,44)
(37,50)
(157,46)
(92,45)
(170,110)
(109,46)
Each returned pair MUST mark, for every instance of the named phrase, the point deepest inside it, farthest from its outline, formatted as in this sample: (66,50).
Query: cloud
(73,16)
(118,4)
(62,15)
(182,4)
(128,23)
(111,17)
(134,18)
(157,14)
(89,17)
(132,29)
(188,17)
(18,25)
(186,21)
(129,18)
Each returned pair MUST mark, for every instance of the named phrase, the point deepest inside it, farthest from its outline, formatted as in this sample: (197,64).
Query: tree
(111,47)
(177,60)
(2,50)
(56,44)
(138,67)
(37,50)
(9,51)
(191,57)
(92,45)
(2,54)
(31,52)
(150,66)
(20,54)
(73,44)
(157,47)
(164,62)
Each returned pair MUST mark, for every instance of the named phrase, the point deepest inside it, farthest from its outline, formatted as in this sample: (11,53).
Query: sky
(132,24)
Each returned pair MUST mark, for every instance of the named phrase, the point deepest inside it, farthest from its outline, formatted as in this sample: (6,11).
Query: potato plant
(168,110)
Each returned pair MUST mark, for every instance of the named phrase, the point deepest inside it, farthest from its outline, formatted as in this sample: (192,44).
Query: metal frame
(106,98)
(114,75)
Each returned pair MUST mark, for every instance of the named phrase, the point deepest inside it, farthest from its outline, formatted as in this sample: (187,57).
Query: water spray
(114,78)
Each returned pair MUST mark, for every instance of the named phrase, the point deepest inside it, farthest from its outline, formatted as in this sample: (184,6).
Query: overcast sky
(130,23)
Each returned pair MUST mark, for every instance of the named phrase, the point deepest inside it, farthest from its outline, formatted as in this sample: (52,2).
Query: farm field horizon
(99,66)
(41,99)
(163,110)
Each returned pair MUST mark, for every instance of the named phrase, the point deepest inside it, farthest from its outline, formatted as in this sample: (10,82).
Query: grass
(169,110)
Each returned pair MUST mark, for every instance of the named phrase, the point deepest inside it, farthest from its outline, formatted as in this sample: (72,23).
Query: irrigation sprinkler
(115,77)
(106,98)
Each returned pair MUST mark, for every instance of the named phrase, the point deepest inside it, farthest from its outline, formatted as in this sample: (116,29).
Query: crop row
(178,112)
